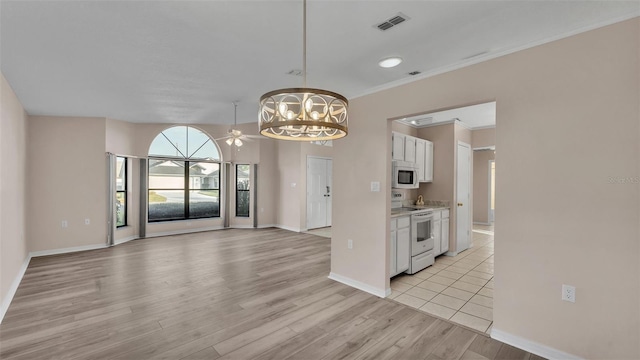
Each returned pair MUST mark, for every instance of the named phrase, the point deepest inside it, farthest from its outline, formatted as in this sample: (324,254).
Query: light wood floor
(231,294)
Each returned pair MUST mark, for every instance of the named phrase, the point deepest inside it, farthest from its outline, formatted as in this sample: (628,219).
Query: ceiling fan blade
(224,137)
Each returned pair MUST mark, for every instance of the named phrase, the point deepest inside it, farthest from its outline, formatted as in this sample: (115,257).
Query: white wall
(67,182)
(567,122)
(13,158)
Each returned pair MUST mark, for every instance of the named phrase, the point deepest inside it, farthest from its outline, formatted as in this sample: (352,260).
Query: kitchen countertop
(395,214)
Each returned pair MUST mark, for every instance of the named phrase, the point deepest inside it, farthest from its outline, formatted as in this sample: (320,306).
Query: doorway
(463,197)
(318,192)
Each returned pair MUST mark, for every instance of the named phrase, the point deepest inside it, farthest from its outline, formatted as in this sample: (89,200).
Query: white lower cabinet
(400,254)
(400,240)
(436,235)
(444,233)
(392,249)
(403,249)
(440,232)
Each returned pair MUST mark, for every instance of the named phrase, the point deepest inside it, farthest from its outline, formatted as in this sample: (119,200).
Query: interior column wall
(579,98)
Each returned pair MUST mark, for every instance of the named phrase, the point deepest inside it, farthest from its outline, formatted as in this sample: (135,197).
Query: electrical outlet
(568,293)
(87,221)
(65,223)
(350,244)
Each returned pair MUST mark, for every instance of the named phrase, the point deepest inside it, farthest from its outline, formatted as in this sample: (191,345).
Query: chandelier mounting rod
(304,43)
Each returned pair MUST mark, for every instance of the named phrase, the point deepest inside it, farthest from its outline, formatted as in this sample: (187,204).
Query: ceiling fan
(235,136)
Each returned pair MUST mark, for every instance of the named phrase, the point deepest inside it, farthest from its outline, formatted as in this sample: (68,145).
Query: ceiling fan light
(390,62)
(229,141)
(238,142)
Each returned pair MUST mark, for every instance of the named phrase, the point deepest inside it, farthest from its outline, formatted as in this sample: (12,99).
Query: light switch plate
(375,186)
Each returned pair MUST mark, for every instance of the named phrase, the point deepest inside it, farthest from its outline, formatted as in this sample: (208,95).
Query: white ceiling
(478,116)
(186,61)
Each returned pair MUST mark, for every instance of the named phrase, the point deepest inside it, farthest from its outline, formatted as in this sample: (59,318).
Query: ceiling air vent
(389,23)
(416,72)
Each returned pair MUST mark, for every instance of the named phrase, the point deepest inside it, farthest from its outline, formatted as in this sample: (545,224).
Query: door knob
(460,204)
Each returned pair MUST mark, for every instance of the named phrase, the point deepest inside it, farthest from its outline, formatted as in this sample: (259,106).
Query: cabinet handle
(460,204)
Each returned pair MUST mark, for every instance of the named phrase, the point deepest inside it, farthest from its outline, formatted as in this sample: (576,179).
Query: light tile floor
(458,288)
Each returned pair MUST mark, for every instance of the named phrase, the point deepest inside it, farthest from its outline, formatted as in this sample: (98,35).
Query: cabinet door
(410,149)
(420,151)
(403,251)
(428,161)
(397,152)
(444,236)
(392,255)
(436,237)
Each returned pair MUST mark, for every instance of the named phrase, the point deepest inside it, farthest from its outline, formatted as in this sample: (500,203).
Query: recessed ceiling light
(390,62)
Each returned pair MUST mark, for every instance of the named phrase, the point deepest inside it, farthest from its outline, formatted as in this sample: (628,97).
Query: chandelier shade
(303,114)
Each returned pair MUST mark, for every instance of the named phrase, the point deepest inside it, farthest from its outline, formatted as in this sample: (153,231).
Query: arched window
(184,142)
(184,175)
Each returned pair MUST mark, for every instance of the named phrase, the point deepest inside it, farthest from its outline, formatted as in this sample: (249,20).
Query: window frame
(248,190)
(126,198)
(165,147)
(186,188)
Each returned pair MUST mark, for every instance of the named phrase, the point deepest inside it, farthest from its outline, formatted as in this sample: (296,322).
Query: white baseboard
(241,227)
(284,227)
(531,346)
(14,287)
(388,292)
(184,231)
(358,285)
(124,240)
(450,253)
(481,223)
(67,250)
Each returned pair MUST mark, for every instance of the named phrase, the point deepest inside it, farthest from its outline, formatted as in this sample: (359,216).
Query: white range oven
(422,254)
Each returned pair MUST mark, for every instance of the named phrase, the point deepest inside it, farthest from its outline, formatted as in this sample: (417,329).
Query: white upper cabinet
(410,149)
(397,152)
(424,160)
(420,146)
(415,150)
(428,162)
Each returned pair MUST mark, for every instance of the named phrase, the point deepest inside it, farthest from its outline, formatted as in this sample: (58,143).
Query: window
(242,190)
(121,191)
(184,175)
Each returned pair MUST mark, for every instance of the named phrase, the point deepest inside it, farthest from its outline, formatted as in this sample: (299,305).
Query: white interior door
(463,187)
(318,192)
(492,190)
